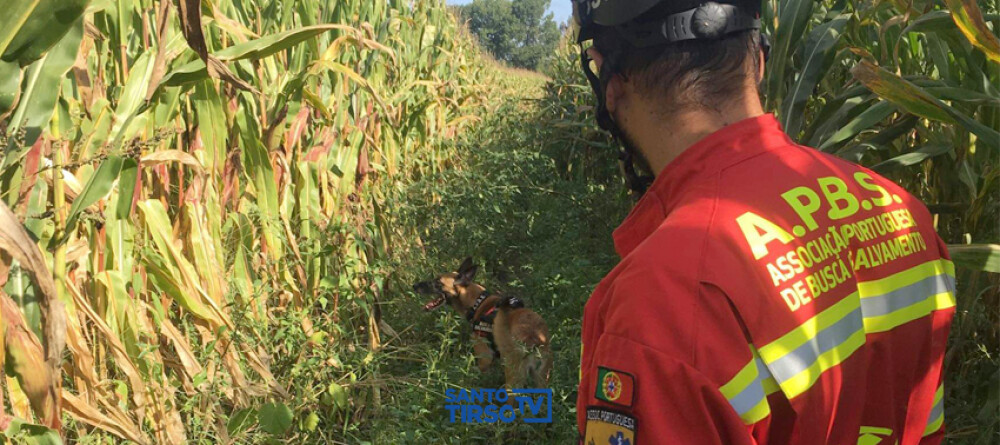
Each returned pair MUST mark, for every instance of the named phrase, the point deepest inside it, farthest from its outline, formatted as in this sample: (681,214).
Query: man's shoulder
(789,164)
(664,272)
(658,297)
(798,190)
(760,205)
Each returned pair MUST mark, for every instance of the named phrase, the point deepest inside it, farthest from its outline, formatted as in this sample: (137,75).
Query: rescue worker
(767,293)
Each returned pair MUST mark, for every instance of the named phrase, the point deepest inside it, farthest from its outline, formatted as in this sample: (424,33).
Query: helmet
(592,14)
(646,23)
(674,21)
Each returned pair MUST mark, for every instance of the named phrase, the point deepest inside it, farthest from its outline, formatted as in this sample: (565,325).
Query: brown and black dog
(501,326)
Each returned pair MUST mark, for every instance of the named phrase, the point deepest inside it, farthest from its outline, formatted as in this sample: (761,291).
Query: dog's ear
(466,272)
(466,264)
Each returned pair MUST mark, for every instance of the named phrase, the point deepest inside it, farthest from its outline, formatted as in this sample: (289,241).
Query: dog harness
(483,327)
(769,294)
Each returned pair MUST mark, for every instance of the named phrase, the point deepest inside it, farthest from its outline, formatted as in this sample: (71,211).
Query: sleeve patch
(608,427)
(614,386)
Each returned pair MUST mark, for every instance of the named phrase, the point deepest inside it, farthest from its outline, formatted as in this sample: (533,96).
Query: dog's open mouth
(434,304)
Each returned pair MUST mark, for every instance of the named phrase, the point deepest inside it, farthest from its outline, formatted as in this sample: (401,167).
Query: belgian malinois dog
(502,327)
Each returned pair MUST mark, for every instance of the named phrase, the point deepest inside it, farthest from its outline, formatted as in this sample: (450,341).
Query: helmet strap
(637,183)
(765,45)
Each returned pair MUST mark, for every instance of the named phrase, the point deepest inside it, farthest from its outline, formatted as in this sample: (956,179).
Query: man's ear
(614,90)
(596,57)
(760,71)
(614,93)
(466,272)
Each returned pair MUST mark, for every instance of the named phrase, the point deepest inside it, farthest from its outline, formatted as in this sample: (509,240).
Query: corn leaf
(16,243)
(12,20)
(127,182)
(254,49)
(31,434)
(166,156)
(862,122)
(97,188)
(25,360)
(48,22)
(817,55)
(91,415)
(984,257)
(793,19)
(132,100)
(916,156)
(41,80)
(10,86)
(969,18)
(914,99)
(173,273)
(211,125)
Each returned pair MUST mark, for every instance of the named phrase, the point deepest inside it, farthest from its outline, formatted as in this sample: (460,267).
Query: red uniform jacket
(768,293)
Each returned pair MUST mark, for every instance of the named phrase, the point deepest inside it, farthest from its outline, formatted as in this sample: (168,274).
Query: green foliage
(30,28)
(275,418)
(21,432)
(907,88)
(977,257)
(538,233)
(517,32)
(204,181)
(236,250)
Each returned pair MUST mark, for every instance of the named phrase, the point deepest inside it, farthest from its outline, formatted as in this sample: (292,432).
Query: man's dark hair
(703,73)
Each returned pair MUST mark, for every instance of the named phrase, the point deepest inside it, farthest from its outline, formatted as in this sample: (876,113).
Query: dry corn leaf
(92,416)
(15,241)
(969,18)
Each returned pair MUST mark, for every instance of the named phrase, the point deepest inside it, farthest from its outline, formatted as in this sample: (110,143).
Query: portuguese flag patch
(614,386)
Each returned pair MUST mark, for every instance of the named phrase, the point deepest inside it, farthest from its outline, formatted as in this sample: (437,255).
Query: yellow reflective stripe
(741,380)
(797,359)
(875,430)
(746,390)
(936,418)
(805,379)
(759,412)
(808,329)
(939,394)
(934,426)
(889,321)
(908,295)
(900,279)
(770,386)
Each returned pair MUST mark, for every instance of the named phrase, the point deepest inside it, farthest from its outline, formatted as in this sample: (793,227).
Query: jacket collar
(700,161)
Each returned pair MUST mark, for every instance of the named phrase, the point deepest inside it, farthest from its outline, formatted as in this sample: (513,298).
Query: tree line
(517,32)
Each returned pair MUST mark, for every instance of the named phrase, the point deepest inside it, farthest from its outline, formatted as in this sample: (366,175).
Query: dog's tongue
(433,304)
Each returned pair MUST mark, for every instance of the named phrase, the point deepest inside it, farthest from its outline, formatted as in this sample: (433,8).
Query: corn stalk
(185,171)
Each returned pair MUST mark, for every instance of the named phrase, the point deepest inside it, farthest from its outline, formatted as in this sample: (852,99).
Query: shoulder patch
(614,386)
(608,427)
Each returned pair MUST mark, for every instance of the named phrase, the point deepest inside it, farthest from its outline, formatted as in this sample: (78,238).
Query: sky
(561,9)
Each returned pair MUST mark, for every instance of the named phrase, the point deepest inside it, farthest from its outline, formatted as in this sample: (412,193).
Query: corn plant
(172,169)
(906,87)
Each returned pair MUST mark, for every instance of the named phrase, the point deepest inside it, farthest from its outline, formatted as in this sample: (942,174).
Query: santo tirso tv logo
(498,405)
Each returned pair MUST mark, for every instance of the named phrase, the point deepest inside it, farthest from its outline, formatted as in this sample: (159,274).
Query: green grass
(534,199)
(537,236)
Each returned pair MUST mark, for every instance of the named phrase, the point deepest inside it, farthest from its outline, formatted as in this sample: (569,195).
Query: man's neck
(662,138)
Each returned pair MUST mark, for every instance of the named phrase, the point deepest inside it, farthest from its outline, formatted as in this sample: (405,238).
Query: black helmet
(674,20)
(645,23)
